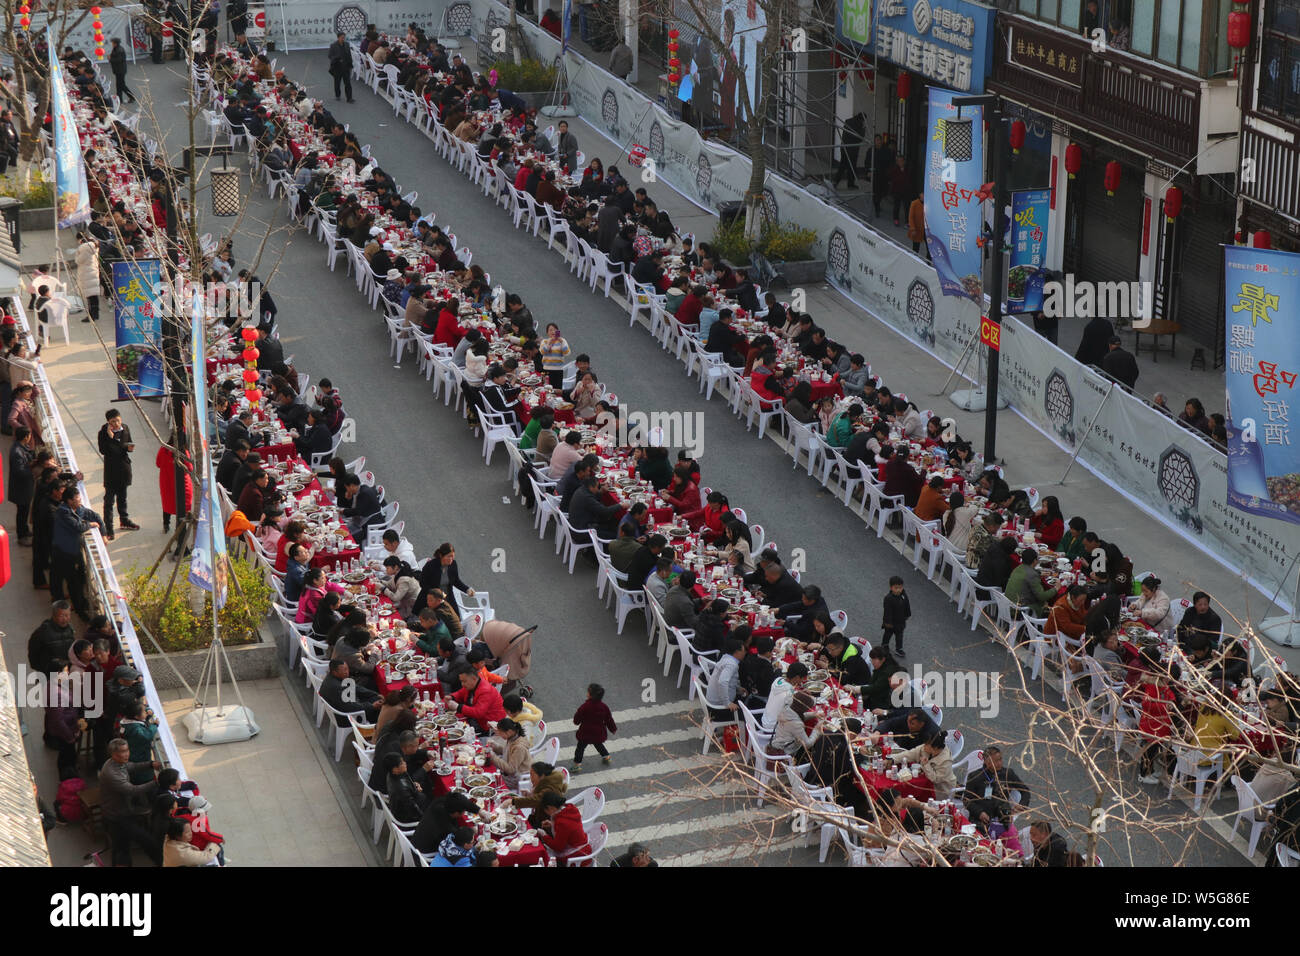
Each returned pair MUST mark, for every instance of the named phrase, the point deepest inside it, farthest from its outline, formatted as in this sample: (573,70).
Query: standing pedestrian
(45,504)
(916,225)
(116,446)
(67,563)
(88,274)
(566,147)
(882,161)
(166,462)
(22,482)
(897,610)
(900,186)
(117,63)
(341,66)
(851,138)
(594,724)
(124,804)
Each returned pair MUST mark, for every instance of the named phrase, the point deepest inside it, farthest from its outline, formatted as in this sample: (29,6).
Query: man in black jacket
(365,509)
(1050,848)
(572,479)
(439,819)
(846,662)
(47,648)
(270,353)
(346,695)
(988,790)
(116,446)
(588,513)
(316,440)
(1096,338)
(117,63)
(1120,364)
(405,743)
(779,588)
(340,55)
(230,464)
(910,726)
(798,615)
(644,560)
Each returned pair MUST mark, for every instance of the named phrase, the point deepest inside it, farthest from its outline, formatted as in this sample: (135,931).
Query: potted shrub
(787,247)
(36,193)
(530,80)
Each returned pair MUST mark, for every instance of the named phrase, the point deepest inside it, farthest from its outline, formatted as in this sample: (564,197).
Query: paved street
(660,790)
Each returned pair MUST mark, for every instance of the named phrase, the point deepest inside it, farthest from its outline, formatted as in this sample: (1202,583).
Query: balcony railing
(1144,106)
(1276,180)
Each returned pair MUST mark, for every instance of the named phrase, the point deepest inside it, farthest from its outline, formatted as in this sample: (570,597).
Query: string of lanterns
(674,62)
(98,25)
(249,375)
(25,18)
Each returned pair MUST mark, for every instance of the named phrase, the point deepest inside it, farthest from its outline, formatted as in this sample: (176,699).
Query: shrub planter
(803,272)
(36,219)
(248,661)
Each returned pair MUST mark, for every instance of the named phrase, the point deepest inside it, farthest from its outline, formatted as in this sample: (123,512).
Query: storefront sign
(948,42)
(1029,226)
(855,21)
(1049,54)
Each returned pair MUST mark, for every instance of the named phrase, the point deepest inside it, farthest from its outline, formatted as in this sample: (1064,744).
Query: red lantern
(95,11)
(1262,240)
(250,354)
(1173,202)
(673,78)
(25,22)
(904,85)
(248,335)
(24,9)
(99,52)
(254,395)
(250,375)
(1017,136)
(1073,159)
(1238,30)
(1113,171)
(674,34)
(674,63)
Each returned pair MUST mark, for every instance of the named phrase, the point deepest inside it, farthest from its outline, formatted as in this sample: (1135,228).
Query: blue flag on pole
(1262,293)
(72,197)
(954,173)
(208,564)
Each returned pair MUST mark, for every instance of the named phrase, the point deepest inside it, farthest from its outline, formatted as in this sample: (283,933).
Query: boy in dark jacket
(897,610)
(594,723)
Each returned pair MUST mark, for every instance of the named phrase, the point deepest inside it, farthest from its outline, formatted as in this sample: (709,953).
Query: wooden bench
(1157,328)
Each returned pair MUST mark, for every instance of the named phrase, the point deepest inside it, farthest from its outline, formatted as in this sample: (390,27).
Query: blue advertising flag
(567,17)
(208,567)
(72,197)
(1030,212)
(954,177)
(136,287)
(1262,292)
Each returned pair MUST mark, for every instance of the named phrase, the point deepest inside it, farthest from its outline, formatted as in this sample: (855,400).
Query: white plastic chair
(1187,765)
(1248,803)
(56,311)
(590,803)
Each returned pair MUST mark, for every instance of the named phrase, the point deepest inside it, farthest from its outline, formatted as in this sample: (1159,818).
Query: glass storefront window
(1190,56)
(1144,25)
(1029,6)
(1047,10)
(1167,50)
(1070,10)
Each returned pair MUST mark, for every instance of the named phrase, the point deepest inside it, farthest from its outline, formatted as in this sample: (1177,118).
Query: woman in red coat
(563,832)
(682,493)
(166,462)
(1048,522)
(708,520)
(448,331)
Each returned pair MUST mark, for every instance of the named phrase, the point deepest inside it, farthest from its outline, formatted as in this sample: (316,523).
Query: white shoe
(1150,778)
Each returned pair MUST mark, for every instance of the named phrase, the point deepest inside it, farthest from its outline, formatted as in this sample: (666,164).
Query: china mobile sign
(949,42)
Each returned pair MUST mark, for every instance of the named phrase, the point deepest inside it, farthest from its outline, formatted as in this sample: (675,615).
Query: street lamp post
(998,174)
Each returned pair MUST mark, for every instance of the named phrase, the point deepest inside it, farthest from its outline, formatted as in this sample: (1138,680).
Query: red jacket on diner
(482,705)
(567,836)
(201,836)
(1050,533)
(708,521)
(688,313)
(449,330)
(282,553)
(685,502)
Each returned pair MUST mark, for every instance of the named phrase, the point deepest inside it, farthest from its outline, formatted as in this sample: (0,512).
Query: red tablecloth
(563,416)
(918,787)
(820,390)
(323,559)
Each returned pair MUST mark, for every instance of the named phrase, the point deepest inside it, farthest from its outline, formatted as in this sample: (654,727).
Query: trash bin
(11,209)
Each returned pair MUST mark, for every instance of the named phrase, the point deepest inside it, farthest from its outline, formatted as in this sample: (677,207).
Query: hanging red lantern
(95,11)
(1173,202)
(1262,240)
(24,9)
(248,334)
(904,85)
(1073,159)
(1113,172)
(673,78)
(1017,136)
(250,354)
(674,63)
(25,22)
(674,34)
(1238,30)
(254,395)
(250,375)
(99,52)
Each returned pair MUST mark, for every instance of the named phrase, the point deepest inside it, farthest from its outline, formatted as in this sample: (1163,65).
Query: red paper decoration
(248,335)
(250,355)
(1173,202)
(1017,136)
(25,22)
(1262,240)
(1113,172)
(674,34)
(1073,159)
(95,11)
(250,375)
(254,395)
(1238,29)
(904,85)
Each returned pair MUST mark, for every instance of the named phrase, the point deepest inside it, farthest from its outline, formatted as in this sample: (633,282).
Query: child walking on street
(595,723)
(897,610)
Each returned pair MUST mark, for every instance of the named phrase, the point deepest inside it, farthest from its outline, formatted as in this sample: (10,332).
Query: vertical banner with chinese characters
(1030,209)
(71,194)
(139,332)
(954,174)
(1262,292)
(208,568)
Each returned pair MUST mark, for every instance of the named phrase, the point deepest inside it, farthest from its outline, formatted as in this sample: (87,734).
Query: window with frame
(1279,60)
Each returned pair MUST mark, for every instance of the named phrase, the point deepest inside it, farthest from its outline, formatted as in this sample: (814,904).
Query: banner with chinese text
(1262,289)
(948,42)
(208,568)
(71,195)
(138,328)
(954,175)
(1030,209)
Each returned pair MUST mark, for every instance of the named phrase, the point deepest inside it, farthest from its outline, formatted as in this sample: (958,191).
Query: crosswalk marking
(658,768)
(759,819)
(681,799)
(733,854)
(660,739)
(634,713)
